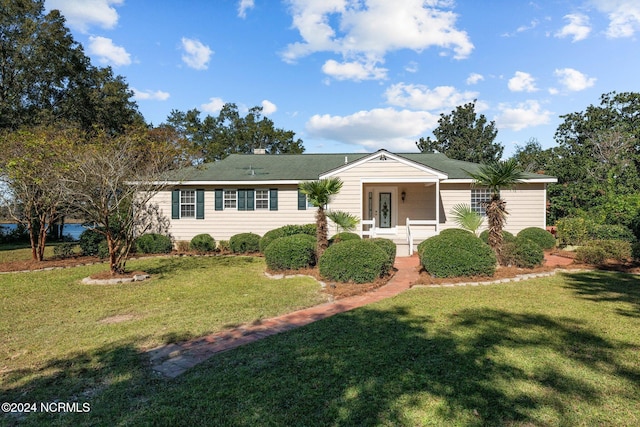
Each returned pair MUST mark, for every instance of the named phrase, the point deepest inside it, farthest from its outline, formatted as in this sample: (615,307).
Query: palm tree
(497,176)
(319,193)
(466,217)
(344,221)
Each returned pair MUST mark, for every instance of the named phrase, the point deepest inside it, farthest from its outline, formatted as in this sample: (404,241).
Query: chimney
(259,151)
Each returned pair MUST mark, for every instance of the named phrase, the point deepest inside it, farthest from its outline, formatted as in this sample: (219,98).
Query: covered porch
(407,211)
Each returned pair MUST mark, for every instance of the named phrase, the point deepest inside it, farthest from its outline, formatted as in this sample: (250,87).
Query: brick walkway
(173,359)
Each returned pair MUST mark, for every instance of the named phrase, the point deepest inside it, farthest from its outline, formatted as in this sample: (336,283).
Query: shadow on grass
(365,367)
(602,286)
(374,367)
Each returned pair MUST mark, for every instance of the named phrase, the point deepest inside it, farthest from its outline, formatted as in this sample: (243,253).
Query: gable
(384,165)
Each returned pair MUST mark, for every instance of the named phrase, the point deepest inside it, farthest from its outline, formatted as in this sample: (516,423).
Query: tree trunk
(321,232)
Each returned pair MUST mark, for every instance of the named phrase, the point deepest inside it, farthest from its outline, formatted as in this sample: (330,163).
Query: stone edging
(117,281)
(517,278)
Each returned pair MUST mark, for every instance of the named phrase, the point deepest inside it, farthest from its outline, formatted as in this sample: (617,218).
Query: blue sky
(360,75)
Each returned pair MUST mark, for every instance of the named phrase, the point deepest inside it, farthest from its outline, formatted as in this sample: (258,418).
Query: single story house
(404,197)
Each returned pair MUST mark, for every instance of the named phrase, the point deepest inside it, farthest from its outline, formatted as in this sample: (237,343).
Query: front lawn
(556,351)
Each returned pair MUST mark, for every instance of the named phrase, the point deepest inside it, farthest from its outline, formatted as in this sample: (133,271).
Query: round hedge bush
(389,248)
(541,237)
(456,255)
(358,261)
(291,252)
(523,253)
(506,236)
(244,243)
(341,237)
(154,243)
(202,243)
(89,242)
(287,230)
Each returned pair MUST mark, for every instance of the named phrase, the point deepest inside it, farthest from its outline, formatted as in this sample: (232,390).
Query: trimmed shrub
(456,232)
(523,252)
(573,231)
(506,236)
(244,243)
(286,230)
(103,249)
(358,261)
(457,254)
(389,248)
(341,237)
(223,246)
(182,246)
(591,255)
(64,250)
(291,252)
(635,251)
(543,238)
(89,242)
(154,243)
(620,250)
(202,243)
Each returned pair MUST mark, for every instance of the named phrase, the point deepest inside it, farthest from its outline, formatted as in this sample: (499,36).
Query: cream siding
(221,225)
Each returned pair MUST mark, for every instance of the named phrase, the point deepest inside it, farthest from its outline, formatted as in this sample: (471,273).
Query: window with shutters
(262,199)
(187,204)
(230,199)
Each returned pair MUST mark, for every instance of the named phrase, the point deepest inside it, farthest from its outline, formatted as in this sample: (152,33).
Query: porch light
(403,195)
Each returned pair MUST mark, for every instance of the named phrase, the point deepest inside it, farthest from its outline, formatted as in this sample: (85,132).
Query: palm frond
(466,217)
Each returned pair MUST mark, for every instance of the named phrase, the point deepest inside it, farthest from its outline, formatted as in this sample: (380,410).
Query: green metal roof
(303,167)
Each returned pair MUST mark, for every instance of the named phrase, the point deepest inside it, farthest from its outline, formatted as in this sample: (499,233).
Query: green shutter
(175,204)
(302,201)
(273,199)
(242,200)
(251,200)
(219,202)
(199,204)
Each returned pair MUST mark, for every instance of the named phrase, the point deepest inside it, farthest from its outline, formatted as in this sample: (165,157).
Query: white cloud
(578,27)
(365,31)
(196,55)
(522,82)
(524,115)
(158,95)
(81,14)
(574,80)
(268,107)
(107,52)
(624,16)
(243,6)
(420,97)
(353,70)
(411,67)
(474,78)
(374,129)
(213,106)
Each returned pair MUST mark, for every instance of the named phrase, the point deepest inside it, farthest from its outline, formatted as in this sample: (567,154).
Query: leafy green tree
(531,157)
(597,159)
(497,176)
(319,194)
(229,132)
(45,75)
(463,135)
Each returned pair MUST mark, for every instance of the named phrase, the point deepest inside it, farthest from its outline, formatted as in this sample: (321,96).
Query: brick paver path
(173,359)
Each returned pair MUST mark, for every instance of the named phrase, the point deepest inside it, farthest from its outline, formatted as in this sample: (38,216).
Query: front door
(384,204)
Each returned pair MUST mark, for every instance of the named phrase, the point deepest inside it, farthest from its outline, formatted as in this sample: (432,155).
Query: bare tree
(33,165)
(113,183)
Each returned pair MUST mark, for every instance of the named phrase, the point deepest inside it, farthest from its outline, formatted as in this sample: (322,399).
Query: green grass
(560,351)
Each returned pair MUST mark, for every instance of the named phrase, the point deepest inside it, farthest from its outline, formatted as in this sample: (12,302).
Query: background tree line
(596,158)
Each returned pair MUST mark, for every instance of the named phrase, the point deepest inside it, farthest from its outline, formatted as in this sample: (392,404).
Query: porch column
(437,206)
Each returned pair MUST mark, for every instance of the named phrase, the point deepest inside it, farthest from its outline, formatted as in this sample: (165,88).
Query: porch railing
(419,233)
(371,231)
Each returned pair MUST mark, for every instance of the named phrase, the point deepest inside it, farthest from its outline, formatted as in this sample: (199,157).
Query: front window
(230,199)
(188,204)
(479,199)
(262,199)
